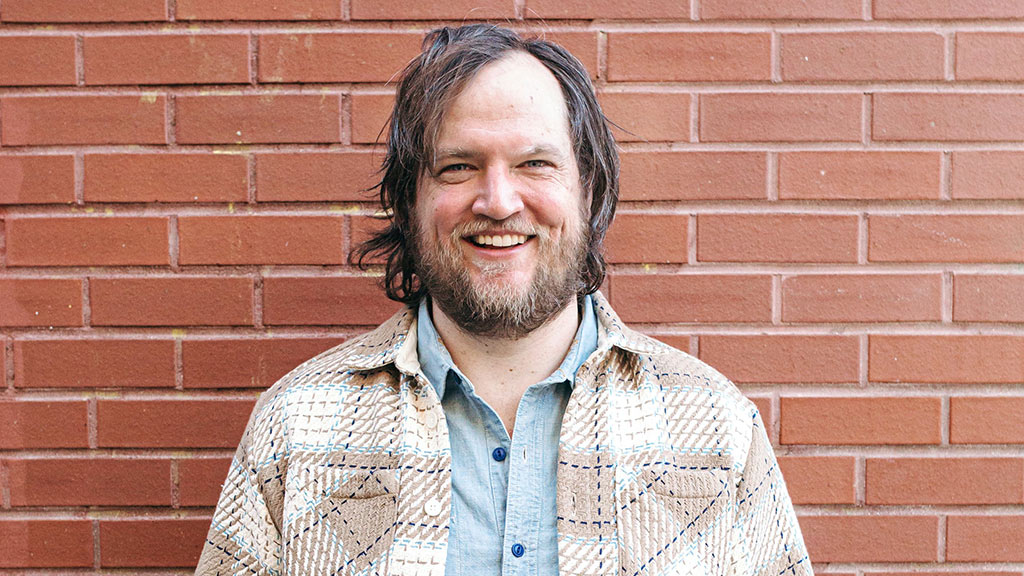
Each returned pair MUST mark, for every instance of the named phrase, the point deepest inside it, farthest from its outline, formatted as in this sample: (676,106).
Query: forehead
(516,91)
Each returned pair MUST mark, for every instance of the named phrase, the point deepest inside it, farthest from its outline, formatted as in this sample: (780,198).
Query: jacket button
(430,418)
(432,507)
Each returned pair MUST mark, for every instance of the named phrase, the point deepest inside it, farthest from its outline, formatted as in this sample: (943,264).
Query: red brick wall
(822,198)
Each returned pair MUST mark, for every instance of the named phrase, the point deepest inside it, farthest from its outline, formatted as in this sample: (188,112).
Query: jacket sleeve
(244,537)
(766,535)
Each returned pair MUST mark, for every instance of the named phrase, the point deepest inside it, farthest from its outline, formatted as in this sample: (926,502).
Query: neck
(501,369)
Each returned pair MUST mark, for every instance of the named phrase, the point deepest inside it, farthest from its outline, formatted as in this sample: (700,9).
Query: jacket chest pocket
(352,525)
(673,518)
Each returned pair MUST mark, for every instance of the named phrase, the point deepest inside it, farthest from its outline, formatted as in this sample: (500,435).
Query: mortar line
(602,58)
(96,544)
(5,486)
(695,118)
(695,10)
(772,175)
(776,299)
(949,62)
(946,298)
(257,300)
(251,174)
(254,60)
(79,60)
(946,175)
(345,118)
(179,364)
(173,243)
(866,110)
(943,534)
(863,359)
(691,239)
(172,10)
(863,237)
(8,351)
(175,484)
(518,9)
(866,12)
(171,119)
(944,421)
(775,57)
(860,480)
(87,302)
(346,10)
(79,177)
(92,422)
(695,346)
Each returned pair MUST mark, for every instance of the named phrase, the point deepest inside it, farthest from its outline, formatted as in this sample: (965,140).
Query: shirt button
(518,550)
(432,507)
(498,454)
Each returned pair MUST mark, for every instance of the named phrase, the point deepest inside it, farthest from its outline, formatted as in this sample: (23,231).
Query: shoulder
(357,371)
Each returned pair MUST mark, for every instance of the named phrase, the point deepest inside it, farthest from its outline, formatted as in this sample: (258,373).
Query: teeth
(500,241)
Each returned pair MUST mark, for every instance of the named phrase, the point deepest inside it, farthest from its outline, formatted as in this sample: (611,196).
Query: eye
(454,168)
(536,164)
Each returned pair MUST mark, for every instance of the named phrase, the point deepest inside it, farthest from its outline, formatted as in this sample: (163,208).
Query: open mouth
(502,241)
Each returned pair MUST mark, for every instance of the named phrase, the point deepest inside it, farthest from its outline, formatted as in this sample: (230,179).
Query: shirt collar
(436,362)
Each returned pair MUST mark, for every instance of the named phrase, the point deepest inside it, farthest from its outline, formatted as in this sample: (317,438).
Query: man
(505,422)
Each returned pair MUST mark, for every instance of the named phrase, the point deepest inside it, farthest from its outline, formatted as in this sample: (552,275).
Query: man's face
(499,222)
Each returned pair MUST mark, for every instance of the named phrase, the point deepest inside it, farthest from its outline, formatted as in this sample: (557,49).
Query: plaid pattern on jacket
(664,468)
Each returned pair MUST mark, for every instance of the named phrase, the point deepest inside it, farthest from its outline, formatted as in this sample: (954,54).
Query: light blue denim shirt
(503,489)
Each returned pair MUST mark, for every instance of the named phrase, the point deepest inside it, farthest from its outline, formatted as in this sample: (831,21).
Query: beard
(491,306)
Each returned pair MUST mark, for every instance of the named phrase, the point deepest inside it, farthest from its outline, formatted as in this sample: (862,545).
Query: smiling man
(506,421)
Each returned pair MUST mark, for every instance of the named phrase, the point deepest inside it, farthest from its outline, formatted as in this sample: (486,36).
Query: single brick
(986,420)
(258,119)
(90,481)
(819,479)
(780,9)
(988,175)
(783,357)
(855,420)
(764,117)
(40,302)
(46,179)
(91,11)
(968,359)
(947,9)
(982,56)
(200,480)
(862,298)
(172,301)
(776,238)
(261,240)
(45,120)
(960,238)
(316,301)
(972,538)
(670,175)
(610,9)
(862,56)
(370,116)
(988,298)
(29,424)
(94,363)
(652,238)
(211,423)
(689,56)
(247,362)
(166,542)
(873,538)
(947,117)
(167,59)
(434,10)
(37,60)
(335,57)
(941,481)
(87,241)
(166,178)
(316,176)
(648,116)
(46,543)
(860,175)
(692,298)
(258,10)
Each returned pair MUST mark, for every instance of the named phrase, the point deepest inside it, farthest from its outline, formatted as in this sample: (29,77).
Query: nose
(498,197)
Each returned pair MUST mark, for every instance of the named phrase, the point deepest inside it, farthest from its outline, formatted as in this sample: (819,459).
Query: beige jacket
(664,468)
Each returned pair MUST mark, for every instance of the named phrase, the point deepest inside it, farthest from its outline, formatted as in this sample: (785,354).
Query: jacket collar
(394,341)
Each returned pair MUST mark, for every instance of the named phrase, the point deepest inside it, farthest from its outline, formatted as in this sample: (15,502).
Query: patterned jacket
(664,468)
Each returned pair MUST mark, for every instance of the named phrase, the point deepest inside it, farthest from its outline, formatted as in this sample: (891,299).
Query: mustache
(513,225)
